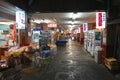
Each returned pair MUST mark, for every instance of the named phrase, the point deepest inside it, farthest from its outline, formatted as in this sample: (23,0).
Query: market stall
(47,49)
(7,40)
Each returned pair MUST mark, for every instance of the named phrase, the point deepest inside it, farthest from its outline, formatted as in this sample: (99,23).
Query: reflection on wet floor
(70,63)
(64,76)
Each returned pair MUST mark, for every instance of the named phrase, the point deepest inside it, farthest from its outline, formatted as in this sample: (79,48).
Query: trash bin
(97,55)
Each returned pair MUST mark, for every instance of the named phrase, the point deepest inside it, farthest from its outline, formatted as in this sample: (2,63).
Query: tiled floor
(70,63)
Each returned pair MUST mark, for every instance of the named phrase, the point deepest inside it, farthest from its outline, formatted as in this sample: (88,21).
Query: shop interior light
(7,23)
(71,29)
(57,30)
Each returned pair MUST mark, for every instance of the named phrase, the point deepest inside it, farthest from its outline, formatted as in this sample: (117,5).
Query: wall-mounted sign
(20,19)
(100,19)
(85,27)
(52,25)
(4,27)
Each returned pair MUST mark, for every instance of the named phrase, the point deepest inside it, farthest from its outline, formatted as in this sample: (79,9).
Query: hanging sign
(14,33)
(20,19)
(100,19)
(85,27)
(52,25)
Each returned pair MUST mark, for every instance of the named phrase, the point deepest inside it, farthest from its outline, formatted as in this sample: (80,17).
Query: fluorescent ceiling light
(7,23)
(38,21)
(73,22)
(75,15)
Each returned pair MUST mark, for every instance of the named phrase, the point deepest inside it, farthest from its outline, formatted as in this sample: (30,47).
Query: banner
(100,19)
(20,19)
(85,27)
(14,33)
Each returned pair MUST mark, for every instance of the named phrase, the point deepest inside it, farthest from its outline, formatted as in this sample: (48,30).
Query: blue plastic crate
(62,41)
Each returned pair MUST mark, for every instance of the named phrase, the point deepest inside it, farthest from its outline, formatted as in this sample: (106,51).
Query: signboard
(20,19)
(14,33)
(52,25)
(4,27)
(85,27)
(100,19)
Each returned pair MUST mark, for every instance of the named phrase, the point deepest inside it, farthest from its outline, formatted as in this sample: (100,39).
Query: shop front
(10,61)
(7,34)
(93,37)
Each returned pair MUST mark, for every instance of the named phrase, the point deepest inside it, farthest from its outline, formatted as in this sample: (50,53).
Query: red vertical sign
(14,33)
(100,19)
(52,25)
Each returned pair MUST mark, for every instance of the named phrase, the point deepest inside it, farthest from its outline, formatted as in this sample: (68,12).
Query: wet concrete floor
(72,62)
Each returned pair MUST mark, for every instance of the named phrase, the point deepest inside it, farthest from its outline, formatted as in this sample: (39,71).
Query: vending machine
(93,40)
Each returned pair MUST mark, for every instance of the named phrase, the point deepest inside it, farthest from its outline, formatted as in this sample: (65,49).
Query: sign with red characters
(52,25)
(100,19)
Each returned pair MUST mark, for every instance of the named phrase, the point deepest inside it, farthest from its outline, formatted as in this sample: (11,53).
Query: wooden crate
(112,64)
